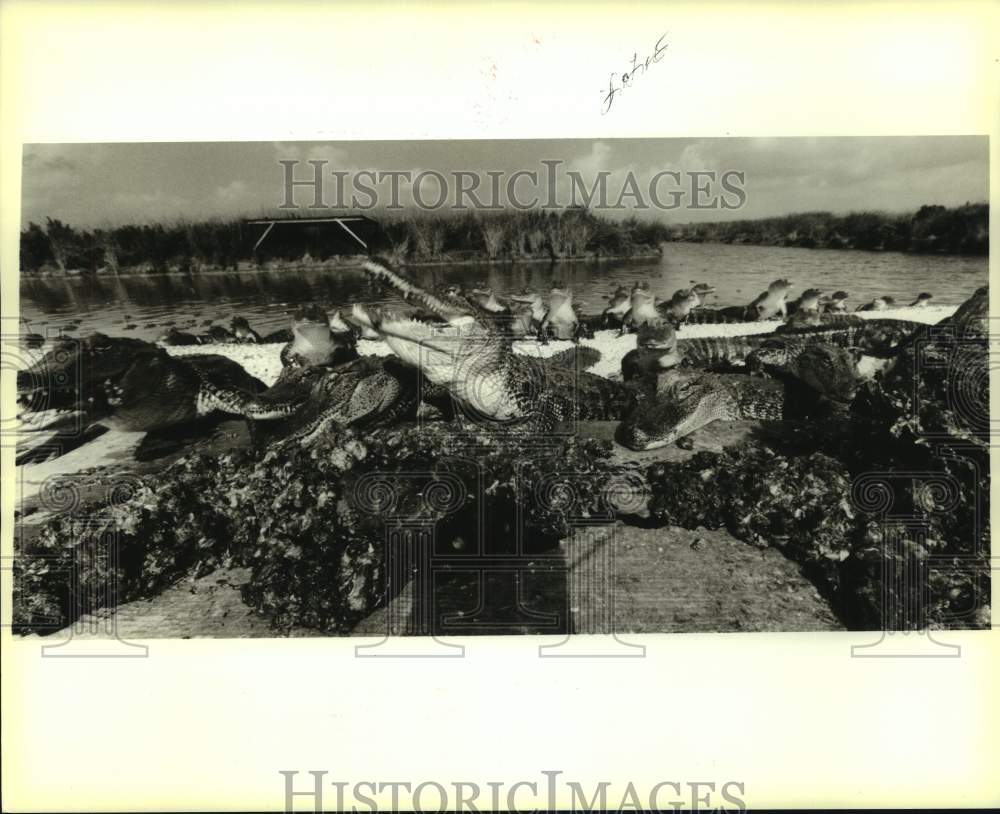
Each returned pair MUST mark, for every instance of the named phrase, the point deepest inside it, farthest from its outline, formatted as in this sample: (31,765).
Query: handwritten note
(628,78)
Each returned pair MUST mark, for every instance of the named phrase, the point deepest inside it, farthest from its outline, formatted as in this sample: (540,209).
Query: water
(267,299)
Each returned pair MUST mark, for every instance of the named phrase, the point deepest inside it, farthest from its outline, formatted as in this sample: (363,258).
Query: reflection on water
(150,303)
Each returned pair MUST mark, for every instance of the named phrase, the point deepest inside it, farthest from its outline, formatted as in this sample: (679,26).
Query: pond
(267,298)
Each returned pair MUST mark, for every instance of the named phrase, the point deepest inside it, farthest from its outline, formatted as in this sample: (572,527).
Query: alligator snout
(637,439)
(47,390)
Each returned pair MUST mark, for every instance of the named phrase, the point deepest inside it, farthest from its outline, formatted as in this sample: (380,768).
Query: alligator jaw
(461,357)
(410,290)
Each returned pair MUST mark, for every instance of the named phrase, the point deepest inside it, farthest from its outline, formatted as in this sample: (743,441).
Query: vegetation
(931,229)
(901,500)
(309,522)
(415,238)
(508,236)
(898,506)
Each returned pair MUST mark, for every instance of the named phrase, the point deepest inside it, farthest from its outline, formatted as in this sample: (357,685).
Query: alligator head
(701,291)
(878,304)
(660,336)
(682,302)
(656,350)
(534,301)
(313,341)
(831,371)
(561,315)
(643,305)
(242,331)
(675,412)
(486,299)
(219,333)
(972,317)
(809,299)
(338,325)
(618,303)
(464,354)
(836,301)
(76,373)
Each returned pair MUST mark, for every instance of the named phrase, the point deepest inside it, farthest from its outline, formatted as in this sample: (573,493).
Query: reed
(406,237)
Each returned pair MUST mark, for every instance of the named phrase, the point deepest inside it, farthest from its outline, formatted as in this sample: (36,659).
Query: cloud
(90,184)
(306,151)
(235,193)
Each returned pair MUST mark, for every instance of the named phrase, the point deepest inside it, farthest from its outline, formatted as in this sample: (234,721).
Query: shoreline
(348,262)
(352,262)
(827,248)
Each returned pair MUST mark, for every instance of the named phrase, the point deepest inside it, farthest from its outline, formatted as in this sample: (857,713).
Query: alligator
(473,360)
(877,304)
(679,307)
(656,350)
(177,338)
(217,334)
(641,309)
(816,378)
(618,305)
(874,337)
(31,341)
(367,391)
(831,372)
(771,303)
(468,357)
(486,299)
(529,313)
(314,343)
(701,291)
(132,385)
(768,305)
(242,331)
(807,301)
(719,316)
(692,400)
(809,380)
(561,320)
(972,318)
(804,320)
(339,326)
(836,303)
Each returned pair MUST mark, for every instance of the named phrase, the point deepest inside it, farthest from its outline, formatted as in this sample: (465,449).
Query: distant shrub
(958,230)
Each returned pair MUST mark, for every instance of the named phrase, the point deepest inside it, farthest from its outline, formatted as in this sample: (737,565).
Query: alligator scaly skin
(875,337)
(719,350)
(366,392)
(685,402)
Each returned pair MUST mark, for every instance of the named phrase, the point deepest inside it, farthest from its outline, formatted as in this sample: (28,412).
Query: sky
(99,185)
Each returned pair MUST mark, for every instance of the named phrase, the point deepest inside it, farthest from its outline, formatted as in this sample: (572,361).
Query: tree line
(931,229)
(570,233)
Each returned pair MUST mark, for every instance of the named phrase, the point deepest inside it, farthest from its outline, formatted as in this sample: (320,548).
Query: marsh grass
(501,236)
(405,237)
